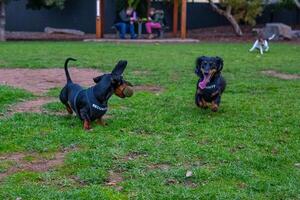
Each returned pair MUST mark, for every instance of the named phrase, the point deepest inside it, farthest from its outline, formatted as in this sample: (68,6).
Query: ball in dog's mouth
(128,91)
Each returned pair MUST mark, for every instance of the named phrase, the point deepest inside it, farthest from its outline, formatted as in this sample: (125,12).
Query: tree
(33,4)
(236,11)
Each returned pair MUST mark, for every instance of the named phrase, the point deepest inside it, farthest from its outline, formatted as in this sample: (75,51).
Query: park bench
(160,32)
(117,33)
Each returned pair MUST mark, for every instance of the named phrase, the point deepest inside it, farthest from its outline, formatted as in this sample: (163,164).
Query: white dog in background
(262,44)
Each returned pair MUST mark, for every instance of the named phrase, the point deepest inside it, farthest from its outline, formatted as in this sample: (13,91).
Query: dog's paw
(87,128)
(69,110)
(214,107)
(203,104)
(87,125)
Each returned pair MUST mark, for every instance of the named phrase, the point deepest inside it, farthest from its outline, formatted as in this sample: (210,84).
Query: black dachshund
(91,104)
(211,84)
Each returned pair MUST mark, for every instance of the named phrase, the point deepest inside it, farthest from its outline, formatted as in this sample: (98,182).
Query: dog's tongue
(203,83)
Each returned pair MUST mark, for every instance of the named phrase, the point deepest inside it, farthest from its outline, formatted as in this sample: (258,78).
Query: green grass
(248,150)
(9,95)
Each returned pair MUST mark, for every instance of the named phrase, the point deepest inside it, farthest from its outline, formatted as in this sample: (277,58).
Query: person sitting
(155,21)
(125,21)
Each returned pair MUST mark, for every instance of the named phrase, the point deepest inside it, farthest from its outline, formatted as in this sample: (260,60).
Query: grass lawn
(9,95)
(248,150)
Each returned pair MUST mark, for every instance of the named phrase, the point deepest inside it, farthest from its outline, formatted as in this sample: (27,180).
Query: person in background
(155,21)
(125,21)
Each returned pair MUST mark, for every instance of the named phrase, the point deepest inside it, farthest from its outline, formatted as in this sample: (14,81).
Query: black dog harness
(96,109)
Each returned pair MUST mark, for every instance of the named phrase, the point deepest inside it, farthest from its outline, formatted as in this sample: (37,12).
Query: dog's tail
(272,37)
(66,69)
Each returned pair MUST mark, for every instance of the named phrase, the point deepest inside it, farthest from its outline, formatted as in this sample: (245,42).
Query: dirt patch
(281,75)
(36,106)
(237,148)
(190,183)
(149,88)
(162,167)
(134,156)
(37,165)
(140,72)
(115,176)
(187,183)
(33,106)
(40,81)
(226,34)
(205,141)
(114,179)
(242,185)
(222,34)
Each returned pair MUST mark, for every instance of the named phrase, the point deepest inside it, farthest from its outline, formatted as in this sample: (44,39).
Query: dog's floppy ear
(119,68)
(97,79)
(198,65)
(220,63)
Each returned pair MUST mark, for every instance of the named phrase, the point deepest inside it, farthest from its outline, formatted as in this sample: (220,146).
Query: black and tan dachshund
(91,104)
(211,84)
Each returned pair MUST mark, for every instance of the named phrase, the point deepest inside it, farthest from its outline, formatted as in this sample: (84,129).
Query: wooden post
(183,19)
(175,18)
(148,7)
(2,20)
(99,18)
(102,17)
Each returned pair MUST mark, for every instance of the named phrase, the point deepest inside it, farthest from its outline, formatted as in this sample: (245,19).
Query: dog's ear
(97,79)
(119,68)
(198,65)
(219,63)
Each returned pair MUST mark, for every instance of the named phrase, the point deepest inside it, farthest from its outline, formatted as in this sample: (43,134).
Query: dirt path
(150,88)
(281,75)
(33,106)
(19,163)
(39,81)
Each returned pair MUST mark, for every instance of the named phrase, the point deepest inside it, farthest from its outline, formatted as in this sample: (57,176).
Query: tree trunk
(227,14)
(2,20)
(297,2)
(234,24)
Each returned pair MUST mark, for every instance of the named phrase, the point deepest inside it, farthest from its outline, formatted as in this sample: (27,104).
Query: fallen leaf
(188,174)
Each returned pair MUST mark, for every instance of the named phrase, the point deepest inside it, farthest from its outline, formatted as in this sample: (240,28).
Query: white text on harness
(98,107)
(210,86)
